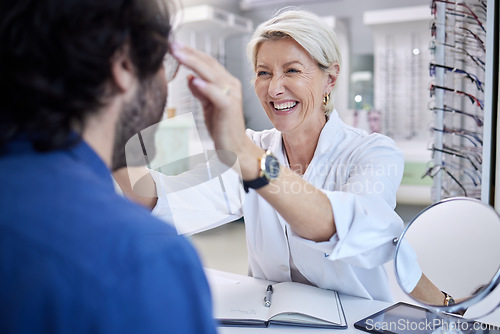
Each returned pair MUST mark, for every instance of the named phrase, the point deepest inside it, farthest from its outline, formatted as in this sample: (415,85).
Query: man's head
(56,61)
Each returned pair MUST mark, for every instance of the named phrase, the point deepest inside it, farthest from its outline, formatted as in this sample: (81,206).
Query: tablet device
(403,318)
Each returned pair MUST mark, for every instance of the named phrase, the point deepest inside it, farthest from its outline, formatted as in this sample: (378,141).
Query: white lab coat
(360,174)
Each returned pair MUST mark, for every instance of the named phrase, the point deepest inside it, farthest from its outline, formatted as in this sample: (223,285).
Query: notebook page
(291,297)
(240,300)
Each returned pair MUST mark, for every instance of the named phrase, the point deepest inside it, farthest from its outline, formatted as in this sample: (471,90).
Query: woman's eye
(261,73)
(292,70)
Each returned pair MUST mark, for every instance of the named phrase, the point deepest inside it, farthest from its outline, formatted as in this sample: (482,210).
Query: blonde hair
(307,29)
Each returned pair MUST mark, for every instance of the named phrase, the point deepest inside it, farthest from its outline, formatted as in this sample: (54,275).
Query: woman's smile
(284,107)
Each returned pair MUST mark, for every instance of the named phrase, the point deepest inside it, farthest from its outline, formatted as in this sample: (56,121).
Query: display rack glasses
(457,91)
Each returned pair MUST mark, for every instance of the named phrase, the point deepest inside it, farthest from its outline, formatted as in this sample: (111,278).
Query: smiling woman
(287,77)
(319,206)
(291,86)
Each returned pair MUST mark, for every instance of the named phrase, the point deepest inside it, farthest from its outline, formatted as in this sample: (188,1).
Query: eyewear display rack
(400,70)
(401,79)
(457,89)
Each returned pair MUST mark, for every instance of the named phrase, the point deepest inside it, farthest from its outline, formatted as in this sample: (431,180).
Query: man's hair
(55,61)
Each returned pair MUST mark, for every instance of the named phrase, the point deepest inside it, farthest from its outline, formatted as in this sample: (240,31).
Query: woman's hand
(220,95)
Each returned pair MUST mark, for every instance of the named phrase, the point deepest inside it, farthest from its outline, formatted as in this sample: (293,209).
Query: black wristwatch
(269,170)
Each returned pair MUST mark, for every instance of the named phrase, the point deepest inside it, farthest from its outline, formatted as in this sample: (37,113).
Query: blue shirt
(75,257)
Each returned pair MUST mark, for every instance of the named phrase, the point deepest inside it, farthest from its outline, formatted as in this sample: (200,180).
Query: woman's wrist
(448,300)
(249,160)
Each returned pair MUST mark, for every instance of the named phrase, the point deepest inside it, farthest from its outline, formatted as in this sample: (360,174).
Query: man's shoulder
(107,238)
(129,236)
(72,214)
(95,255)
(114,267)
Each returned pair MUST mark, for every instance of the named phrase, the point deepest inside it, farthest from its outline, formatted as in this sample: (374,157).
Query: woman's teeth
(285,106)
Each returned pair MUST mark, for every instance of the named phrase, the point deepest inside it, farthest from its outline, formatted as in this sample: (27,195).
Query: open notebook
(241,303)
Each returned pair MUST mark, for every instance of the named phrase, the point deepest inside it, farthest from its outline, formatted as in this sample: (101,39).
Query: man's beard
(145,110)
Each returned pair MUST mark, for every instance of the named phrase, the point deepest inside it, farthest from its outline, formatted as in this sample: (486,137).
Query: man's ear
(122,69)
(333,73)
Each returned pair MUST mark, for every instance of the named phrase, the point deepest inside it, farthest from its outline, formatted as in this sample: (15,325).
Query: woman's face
(290,85)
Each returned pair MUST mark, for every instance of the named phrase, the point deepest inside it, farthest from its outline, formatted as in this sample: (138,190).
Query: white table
(355,309)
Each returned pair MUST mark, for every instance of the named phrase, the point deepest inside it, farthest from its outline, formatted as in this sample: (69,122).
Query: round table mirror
(448,257)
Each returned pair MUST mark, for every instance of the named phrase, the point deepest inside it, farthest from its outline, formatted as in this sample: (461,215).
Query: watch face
(271,167)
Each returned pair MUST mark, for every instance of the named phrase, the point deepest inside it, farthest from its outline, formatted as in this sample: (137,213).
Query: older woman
(321,194)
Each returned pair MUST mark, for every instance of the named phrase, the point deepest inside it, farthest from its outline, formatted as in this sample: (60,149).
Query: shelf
(414,195)
(215,21)
(397,15)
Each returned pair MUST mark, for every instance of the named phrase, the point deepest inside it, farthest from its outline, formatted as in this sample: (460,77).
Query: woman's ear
(333,73)
(122,70)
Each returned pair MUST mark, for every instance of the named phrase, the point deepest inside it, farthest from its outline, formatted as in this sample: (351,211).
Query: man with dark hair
(78,78)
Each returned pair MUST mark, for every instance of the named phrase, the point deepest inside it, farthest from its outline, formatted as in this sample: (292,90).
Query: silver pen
(267,298)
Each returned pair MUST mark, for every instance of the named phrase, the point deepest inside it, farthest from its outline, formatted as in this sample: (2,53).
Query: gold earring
(326,99)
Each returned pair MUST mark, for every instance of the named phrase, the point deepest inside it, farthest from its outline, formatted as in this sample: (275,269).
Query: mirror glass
(455,244)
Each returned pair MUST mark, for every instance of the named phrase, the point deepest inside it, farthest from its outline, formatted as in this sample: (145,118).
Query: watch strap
(255,184)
